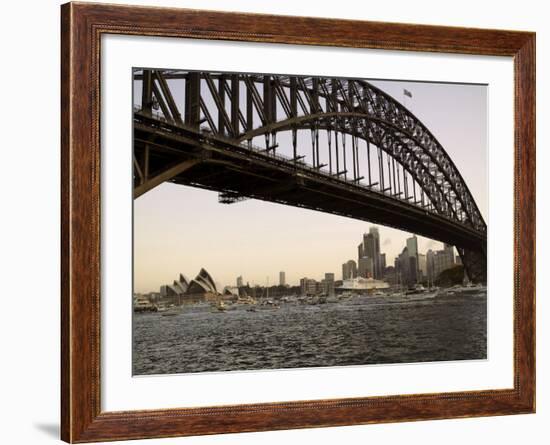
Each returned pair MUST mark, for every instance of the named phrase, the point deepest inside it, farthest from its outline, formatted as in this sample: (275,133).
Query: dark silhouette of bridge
(340,146)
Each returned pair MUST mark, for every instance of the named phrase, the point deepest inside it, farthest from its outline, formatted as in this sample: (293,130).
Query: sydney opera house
(182,291)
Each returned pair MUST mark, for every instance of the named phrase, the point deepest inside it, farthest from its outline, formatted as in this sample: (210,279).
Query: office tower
(382,263)
(370,247)
(422,266)
(328,284)
(365,267)
(349,270)
(377,273)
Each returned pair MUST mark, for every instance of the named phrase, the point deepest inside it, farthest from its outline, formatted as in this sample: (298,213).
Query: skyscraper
(422,266)
(412,245)
(430,266)
(370,248)
(376,253)
(402,267)
(412,248)
(282,279)
(349,270)
(365,267)
(240,281)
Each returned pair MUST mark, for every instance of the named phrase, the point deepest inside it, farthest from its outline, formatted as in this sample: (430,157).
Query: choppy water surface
(362,330)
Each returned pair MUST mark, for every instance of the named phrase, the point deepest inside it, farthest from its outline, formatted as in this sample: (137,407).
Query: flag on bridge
(407,93)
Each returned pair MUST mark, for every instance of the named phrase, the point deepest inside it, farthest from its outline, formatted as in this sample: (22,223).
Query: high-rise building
(365,267)
(282,279)
(414,263)
(377,267)
(413,277)
(422,266)
(349,270)
(437,262)
(444,259)
(370,247)
(402,266)
(328,284)
(382,263)
(450,252)
(430,266)
(240,281)
(412,245)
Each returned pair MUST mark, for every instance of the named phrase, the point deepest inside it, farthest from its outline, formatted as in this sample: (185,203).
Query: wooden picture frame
(83,24)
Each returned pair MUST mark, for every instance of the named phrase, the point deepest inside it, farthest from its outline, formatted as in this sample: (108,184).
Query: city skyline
(274,278)
(259,239)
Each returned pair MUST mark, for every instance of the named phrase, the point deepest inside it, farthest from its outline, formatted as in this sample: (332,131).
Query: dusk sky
(180,229)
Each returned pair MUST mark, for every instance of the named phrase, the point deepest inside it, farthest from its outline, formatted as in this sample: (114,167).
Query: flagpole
(406,93)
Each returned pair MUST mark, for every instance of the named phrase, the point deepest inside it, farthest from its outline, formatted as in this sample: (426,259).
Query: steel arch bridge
(340,146)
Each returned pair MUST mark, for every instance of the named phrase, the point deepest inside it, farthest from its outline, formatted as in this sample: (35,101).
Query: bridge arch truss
(346,130)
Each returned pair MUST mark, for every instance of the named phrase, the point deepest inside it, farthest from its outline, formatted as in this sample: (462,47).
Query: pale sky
(179,229)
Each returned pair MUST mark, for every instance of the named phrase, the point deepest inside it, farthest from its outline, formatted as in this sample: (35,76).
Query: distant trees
(450,277)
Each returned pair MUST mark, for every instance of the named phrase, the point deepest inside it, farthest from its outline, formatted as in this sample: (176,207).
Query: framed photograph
(275,222)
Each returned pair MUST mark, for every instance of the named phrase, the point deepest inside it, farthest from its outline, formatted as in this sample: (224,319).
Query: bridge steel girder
(351,107)
(181,143)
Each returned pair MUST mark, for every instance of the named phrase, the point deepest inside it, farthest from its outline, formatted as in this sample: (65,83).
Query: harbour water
(354,331)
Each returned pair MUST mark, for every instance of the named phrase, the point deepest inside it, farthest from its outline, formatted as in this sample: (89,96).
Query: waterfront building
(444,259)
(282,279)
(183,291)
(231,291)
(430,266)
(349,270)
(174,292)
(437,262)
(328,284)
(308,286)
(450,253)
(201,288)
(405,267)
(361,285)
